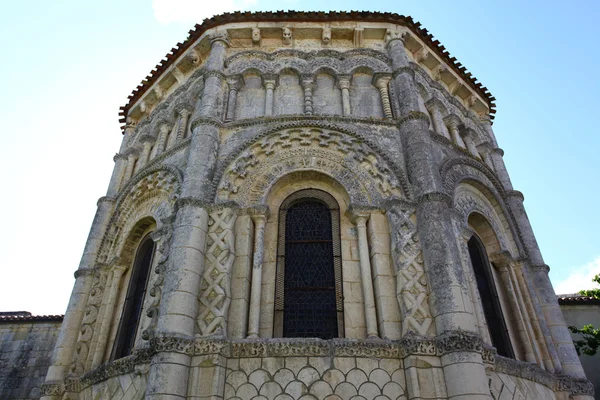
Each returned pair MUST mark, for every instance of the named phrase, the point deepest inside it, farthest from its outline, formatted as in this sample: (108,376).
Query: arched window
(308,294)
(136,292)
(489,298)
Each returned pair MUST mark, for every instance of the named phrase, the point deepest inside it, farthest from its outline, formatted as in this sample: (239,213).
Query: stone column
(465,236)
(440,251)
(307,82)
(184,115)
(388,312)
(270,81)
(502,263)
(162,138)
(169,369)
(467,136)
(344,85)
(234,83)
(147,147)
(498,162)
(260,221)
(132,155)
(360,219)
(433,105)
(105,319)
(485,150)
(554,318)
(381,82)
(117,175)
(69,330)
(452,121)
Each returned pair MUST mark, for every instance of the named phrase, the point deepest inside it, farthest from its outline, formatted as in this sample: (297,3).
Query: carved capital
(105,199)
(235,82)
(539,268)
(270,81)
(147,138)
(393,35)
(219,37)
(165,128)
(343,81)
(307,81)
(452,121)
(83,272)
(119,156)
(515,194)
(259,213)
(499,151)
(381,80)
(433,104)
(468,132)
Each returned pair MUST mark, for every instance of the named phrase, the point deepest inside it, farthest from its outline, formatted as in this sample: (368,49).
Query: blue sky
(67,66)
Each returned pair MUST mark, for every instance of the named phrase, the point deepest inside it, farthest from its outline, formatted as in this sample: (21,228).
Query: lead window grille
(489,298)
(134,301)
(308,295)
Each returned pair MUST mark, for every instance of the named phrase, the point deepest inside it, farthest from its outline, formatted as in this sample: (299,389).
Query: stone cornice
(317,17)
(410,345)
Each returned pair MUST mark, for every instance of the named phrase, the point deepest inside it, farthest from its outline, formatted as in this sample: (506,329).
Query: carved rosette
(215,292)
(412,290)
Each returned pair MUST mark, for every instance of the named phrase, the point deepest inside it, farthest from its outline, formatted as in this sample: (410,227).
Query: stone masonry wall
(25,352)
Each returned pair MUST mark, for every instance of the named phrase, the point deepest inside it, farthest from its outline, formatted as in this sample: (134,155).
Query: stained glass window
(136,292)
(308,294)
(489,298)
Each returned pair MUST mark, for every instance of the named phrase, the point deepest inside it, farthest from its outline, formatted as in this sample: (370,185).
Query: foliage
(595,293)
(590,341)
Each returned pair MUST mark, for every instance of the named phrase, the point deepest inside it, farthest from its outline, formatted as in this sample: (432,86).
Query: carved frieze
(364,174)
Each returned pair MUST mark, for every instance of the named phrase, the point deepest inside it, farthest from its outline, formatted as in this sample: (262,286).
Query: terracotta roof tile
(576,298)
(25,316)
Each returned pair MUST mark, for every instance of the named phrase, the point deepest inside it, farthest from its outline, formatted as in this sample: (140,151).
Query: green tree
(590,336)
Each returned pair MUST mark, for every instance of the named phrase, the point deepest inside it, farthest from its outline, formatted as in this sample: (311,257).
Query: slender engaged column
(500,168)
(365,273)
(344,85)
(307,85)
(453,122)
(270,81)
(381,83)
(234,83)
(256,285)
(105,319)
(433,105)
(184,116)
(169,370)
(502,263)
(162,138)
(131,159)
(440,250)
(485,150)
(147,147)
(468,136)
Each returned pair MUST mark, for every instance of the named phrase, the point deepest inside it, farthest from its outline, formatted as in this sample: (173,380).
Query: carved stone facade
(250,114)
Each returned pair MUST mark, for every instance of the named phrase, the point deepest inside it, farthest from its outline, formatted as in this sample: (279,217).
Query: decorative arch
(151,194)
(482,179)
(366,176)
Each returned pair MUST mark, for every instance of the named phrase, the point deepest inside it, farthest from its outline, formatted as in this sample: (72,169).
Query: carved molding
(410,345)
(361,170)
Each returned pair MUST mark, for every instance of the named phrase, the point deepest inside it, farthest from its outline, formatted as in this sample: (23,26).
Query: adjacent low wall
(26,344)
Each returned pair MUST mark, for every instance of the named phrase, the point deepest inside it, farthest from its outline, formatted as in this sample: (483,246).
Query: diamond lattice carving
(215,292)
(412,290)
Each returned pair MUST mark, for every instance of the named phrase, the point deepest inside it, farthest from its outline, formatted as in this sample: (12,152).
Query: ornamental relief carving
(307,62)
(412,289)
(215,290)
(152,194)
(364,174)
(90,316)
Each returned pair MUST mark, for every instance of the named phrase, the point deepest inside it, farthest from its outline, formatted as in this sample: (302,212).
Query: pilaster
(169,372)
